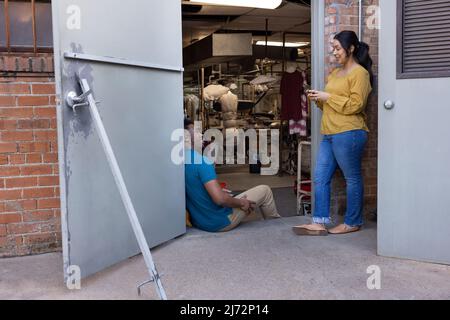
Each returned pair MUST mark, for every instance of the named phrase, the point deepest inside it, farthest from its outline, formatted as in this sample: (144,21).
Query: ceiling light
(280,44)
(262,4)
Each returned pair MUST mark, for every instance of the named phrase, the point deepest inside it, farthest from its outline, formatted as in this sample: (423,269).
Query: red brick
(20,205)
(53,100)
(42,215)
(49,112)
(39,238)
(54,146)
(8,124)
(14,88)
(21,182)
(34,147)
(8,147)
(16,112)
(18,240)
(25,64)
(38,193)
(2,230)
(3,159)
(25,124)
(2,184)
(36,170)
(49,203)
(9,171)
(33,101)
(10,194)
(3,242)
(17,159)
(10,218)
(49,181)
(53,124)
(47,135)
(35,124)
(34,158)
(7,101)
(17,136)
(23,228)
(51,158)
(47,88)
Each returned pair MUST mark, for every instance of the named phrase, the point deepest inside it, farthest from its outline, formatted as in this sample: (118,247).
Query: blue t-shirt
(205,214)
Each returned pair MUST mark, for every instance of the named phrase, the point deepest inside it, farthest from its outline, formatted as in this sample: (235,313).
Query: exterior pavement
(259,260)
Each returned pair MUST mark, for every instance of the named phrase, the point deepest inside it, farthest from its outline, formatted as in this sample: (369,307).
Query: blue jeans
(344,150)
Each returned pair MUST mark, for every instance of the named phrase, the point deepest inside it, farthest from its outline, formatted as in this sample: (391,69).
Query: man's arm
(223,199)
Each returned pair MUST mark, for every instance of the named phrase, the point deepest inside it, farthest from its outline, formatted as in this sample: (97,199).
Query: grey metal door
(414,154)
(130,54)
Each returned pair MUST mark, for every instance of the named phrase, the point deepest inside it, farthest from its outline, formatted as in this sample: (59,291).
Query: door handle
(74,101)
(389,104)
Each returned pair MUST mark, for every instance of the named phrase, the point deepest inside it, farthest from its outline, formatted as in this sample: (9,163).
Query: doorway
(248,56)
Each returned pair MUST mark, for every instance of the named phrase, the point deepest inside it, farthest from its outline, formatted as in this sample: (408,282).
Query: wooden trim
(8,30)
(13,49)
(33,19)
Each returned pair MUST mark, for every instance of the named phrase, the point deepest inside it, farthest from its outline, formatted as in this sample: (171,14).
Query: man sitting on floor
(211,208)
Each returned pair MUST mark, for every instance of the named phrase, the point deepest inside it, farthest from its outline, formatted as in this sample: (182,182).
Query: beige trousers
(263,197)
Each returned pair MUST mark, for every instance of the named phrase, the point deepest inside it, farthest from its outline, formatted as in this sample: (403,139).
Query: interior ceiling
(291,16)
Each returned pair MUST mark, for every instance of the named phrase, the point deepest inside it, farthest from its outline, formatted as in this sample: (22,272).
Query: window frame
(410,75)
(23,49)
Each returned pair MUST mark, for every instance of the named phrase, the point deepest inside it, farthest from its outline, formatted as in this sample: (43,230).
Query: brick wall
(29,186)
(343,15)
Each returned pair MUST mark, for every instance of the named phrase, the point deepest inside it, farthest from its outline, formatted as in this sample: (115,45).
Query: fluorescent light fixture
(262,4)
(280,44)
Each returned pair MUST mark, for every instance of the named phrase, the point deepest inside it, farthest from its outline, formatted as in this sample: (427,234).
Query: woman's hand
(315,95)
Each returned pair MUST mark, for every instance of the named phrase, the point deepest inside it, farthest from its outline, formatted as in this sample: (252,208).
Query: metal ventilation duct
(218,48)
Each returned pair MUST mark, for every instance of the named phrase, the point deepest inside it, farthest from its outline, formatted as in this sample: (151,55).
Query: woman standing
(345,134)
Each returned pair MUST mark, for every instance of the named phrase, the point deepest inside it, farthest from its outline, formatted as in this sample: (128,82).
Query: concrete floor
(259,260)
(239,181)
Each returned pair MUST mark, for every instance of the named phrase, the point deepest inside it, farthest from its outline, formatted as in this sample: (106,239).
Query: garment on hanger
(214,91)
(294,105)
(192,105)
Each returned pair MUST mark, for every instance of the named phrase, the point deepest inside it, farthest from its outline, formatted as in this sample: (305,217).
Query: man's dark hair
(187,123)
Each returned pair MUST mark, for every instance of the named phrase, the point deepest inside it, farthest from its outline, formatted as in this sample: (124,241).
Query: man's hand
(247,205)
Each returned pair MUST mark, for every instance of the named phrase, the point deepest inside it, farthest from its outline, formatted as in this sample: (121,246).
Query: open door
(130,55)
(414,113)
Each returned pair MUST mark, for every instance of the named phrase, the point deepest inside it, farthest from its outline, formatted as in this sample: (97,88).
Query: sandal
(306,230)
(343,229)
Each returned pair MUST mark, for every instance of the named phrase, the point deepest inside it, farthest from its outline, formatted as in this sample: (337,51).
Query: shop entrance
(241,66)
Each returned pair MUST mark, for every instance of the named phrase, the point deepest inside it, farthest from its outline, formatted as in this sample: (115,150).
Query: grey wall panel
(140,108)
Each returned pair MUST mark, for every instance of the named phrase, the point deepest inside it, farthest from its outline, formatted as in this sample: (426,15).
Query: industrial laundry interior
(245,69)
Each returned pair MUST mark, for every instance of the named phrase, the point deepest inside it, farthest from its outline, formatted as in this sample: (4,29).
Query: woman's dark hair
(361,53)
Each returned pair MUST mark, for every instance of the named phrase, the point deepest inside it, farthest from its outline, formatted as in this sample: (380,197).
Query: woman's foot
(310,230)
(343,229)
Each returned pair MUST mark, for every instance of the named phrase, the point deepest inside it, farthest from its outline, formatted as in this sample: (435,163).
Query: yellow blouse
(344,110)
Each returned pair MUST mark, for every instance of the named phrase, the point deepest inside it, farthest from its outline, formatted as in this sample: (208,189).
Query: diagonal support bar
(118,178)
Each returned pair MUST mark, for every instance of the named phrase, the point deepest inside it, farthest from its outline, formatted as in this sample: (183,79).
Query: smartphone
(307,88)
